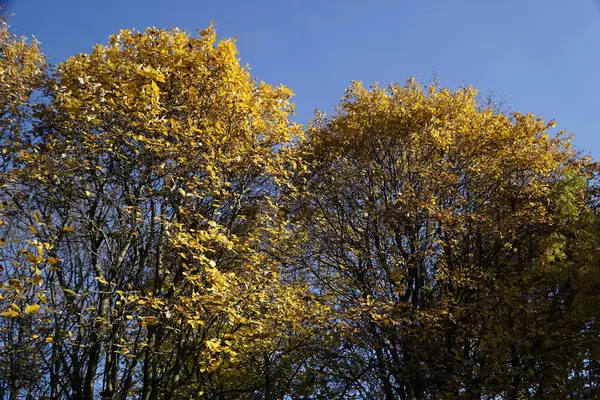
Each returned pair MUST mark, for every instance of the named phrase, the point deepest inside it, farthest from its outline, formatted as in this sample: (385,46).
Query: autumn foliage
(166,232)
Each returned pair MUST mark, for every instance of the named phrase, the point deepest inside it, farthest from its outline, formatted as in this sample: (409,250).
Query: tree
(144,193)
(442,230)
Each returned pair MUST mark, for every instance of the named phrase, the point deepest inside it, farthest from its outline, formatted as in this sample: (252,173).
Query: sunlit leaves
(433,224)
(149,177)
(167,232)
(21,73)
(32,309)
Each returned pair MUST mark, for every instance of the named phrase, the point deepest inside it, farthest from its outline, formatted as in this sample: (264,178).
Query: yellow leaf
(101,280)
(12,312)
(37,280)
(32,308)
(42,297)
(155,88)
(33,259)
(52,261)
(160,77)
(9,314)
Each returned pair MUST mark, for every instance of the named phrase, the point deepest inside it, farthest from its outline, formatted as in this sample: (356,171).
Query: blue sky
(541,56)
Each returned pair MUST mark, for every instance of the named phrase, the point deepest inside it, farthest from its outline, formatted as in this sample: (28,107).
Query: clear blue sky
(541,56)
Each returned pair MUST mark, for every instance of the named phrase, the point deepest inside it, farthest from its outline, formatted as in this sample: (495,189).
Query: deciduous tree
(144,195)
(441,228)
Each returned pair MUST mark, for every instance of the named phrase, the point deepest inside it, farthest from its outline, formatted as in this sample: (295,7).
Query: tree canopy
(167,232)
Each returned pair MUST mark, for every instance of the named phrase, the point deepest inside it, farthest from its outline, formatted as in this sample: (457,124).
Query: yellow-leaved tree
(445,234)
(146,196)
